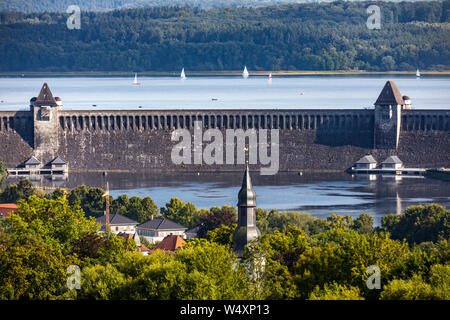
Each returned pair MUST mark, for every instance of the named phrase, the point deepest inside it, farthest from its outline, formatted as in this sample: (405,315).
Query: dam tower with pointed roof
(45,122)
(388,112)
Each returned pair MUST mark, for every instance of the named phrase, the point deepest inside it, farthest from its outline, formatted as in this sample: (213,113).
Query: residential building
(393,162)
(170,244)
(117,223)
(6,209)
(158,228)
(366,162)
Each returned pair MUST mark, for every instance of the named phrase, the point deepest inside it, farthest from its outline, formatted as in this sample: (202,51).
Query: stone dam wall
(140,140)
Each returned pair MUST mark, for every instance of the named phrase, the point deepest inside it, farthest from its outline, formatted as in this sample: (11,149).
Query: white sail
(417,73)
(245,72)
(270,76)
(135,79)
(183,75)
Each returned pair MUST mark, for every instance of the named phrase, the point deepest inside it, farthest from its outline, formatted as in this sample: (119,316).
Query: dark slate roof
(58,160)
(32,160)
(390,95)
(193,230)
(392,159)
(115,219)
(45,97)
(161,224)
(247,196)
(367,159)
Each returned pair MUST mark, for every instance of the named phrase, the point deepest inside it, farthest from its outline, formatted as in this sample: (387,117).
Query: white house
(158,228)
(59,164)
(118,223)
(393,162)
(366,162)
(32,163)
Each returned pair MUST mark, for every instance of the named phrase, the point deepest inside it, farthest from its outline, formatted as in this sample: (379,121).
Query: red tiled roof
(170,243)
(124,235)
(6,209)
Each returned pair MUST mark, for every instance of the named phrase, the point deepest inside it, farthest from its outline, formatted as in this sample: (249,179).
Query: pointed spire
(247,196)
(45,97)
(246,230)
(390,95)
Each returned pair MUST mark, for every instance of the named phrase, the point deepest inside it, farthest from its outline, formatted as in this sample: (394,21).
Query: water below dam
(319,194)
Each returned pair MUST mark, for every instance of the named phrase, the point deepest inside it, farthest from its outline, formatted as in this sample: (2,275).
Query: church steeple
(246,229)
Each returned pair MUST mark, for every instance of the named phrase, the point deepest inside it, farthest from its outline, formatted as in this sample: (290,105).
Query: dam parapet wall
(142,140)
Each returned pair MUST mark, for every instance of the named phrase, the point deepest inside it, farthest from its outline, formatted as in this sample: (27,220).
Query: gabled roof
(194,230)
(115,219)
(45,97)
(390,95)
(170,243)
(58,160)
(161,224)
(32,160)
(392,159)
(367,159)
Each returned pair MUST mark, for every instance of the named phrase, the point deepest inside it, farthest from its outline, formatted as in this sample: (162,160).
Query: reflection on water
(319,194)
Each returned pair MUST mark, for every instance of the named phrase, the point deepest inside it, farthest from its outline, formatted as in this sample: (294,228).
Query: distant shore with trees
(326,36)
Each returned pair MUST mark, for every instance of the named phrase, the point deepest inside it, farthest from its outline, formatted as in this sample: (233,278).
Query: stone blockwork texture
(16,137)
(313,140)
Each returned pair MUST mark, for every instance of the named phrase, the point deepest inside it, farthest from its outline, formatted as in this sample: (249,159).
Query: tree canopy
(309,36)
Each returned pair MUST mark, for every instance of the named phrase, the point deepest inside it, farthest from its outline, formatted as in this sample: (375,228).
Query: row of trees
(45,236)
(102,5)
(318,36)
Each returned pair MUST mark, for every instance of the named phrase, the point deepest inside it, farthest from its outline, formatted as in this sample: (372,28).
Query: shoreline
(213,73)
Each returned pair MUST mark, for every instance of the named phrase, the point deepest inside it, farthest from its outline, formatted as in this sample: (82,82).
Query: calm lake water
(321,195)
(288,92)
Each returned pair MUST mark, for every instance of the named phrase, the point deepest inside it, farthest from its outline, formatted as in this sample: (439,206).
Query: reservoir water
(319,194)
(284,92)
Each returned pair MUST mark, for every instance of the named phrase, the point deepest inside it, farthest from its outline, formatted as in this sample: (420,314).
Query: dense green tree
(91,199)
(280,221)
(419,223)
(54,221)
(343,256)
(14,192)
(416,288)
(335,291)
(31,269)
(215,218)
(363,224)
(185,214)
(222,235)
(309,36)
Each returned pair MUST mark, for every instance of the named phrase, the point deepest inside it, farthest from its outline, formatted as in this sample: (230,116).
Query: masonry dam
(316,140)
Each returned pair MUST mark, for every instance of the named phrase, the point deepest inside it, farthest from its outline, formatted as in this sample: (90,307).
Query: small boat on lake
(135,82)
(245,73)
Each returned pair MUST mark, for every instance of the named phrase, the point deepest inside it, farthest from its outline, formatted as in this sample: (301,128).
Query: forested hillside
(325,36)
(101,5)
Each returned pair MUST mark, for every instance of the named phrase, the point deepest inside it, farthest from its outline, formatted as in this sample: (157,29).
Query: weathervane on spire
(246,155)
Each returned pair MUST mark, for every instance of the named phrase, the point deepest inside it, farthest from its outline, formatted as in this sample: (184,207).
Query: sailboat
(418,73)
(135,82)
(270,77)
(245,73)
(183,75)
